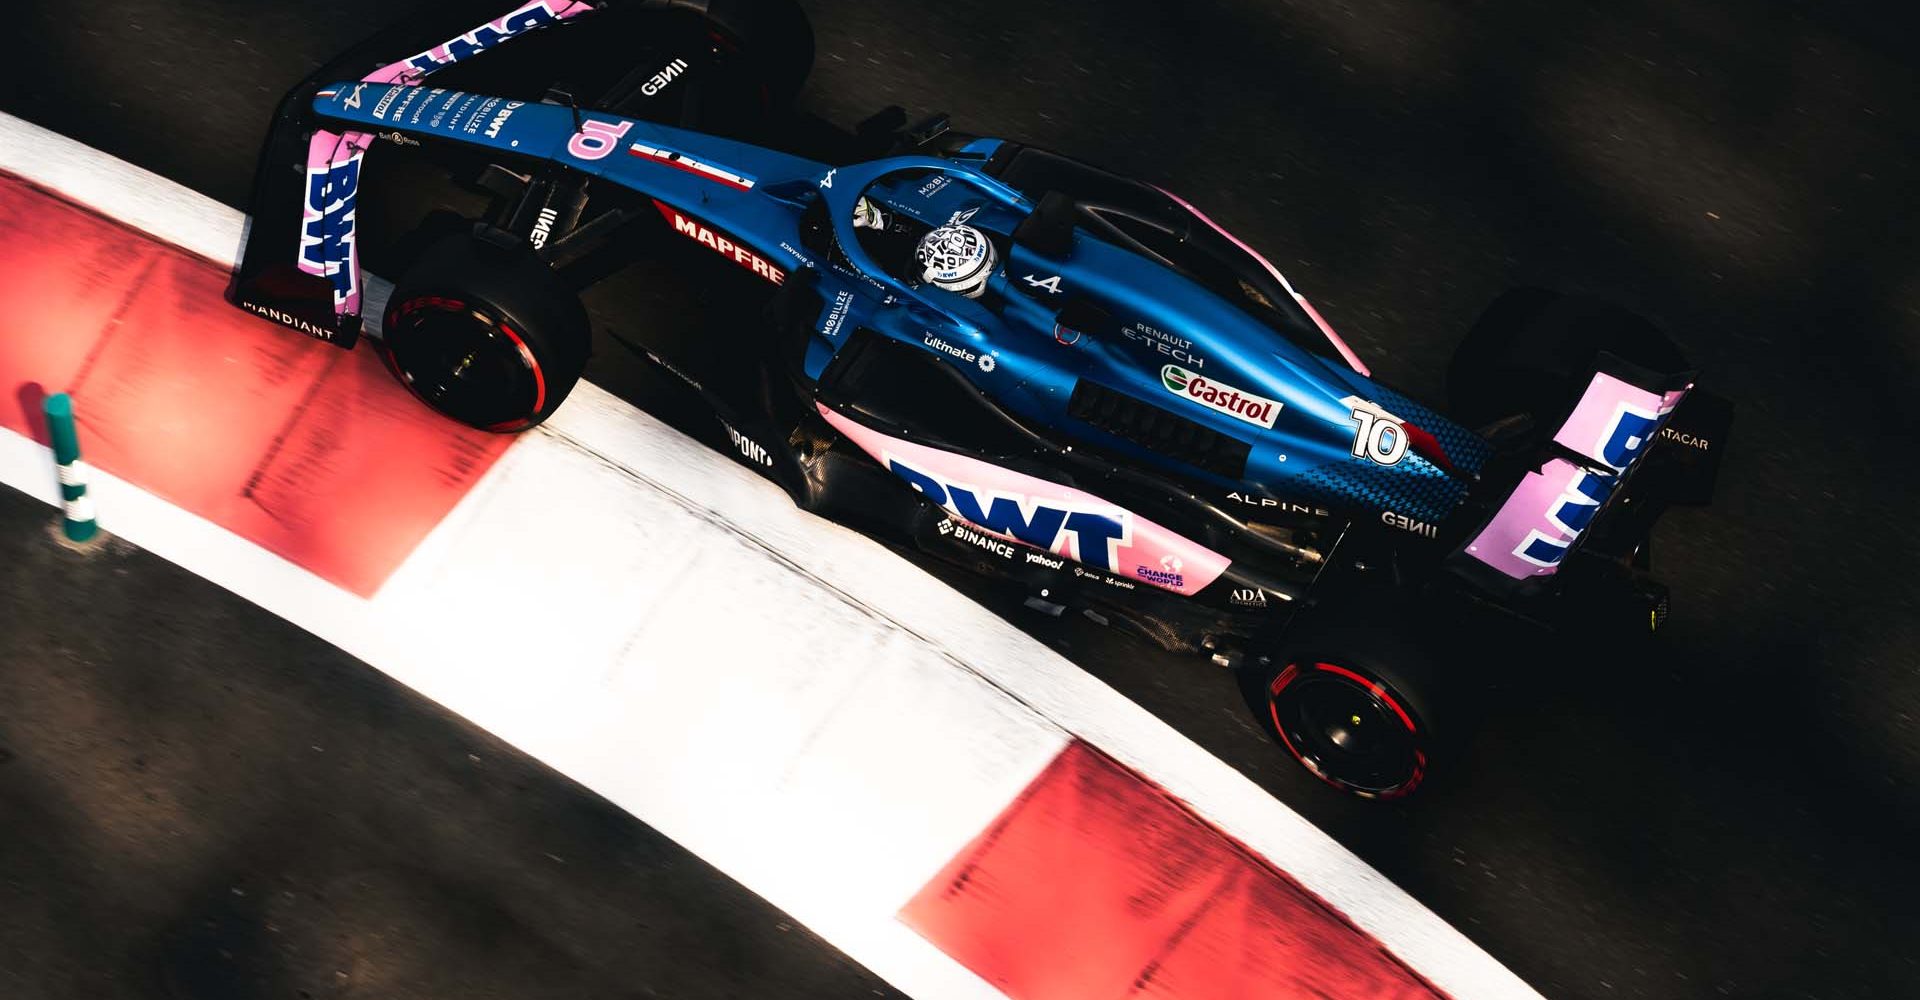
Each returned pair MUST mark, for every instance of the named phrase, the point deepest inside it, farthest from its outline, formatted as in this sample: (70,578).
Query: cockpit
(928,229)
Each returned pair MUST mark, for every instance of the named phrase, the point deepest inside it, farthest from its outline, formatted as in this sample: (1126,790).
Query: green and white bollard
(77,519)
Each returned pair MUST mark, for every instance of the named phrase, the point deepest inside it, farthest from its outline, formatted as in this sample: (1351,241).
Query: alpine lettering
(1287,506)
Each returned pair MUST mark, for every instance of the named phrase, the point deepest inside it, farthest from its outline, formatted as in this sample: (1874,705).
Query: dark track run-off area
(1734,813)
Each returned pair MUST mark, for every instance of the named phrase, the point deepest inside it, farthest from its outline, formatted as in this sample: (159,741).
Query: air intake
(1157,430)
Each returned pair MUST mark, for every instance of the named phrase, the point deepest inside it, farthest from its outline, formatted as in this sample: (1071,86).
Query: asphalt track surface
(1733,813)
(202,802)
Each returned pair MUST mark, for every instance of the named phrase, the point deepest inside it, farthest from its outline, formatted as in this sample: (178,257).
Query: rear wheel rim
(1347,728)
(466,362)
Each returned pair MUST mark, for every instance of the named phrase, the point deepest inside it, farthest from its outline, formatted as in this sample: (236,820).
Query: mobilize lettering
(1236,403)
(1092,535)
(744,256)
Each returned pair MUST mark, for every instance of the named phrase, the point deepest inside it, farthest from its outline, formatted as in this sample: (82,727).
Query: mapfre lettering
(698,231)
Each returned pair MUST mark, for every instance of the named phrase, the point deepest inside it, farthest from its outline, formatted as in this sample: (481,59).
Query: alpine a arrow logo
(1236,403)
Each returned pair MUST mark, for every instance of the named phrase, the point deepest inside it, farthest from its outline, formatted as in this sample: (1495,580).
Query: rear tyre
(1357,706)
(485,333)
(1532,348)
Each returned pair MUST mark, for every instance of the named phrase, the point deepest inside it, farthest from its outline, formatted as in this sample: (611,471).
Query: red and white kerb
(682,161)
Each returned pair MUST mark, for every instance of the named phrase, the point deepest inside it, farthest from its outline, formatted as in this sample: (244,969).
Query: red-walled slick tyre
(486,333)
(1355,706)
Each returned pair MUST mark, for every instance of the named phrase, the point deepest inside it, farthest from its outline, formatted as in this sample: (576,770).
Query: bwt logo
(1094,536)
(484,37)
(1570,514)
(1630,431)
(326,230)
(1626,436)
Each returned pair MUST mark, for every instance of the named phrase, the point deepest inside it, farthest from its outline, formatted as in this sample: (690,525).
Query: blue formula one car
(1026,365)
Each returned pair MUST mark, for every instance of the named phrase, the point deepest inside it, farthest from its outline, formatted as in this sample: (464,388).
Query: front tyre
(1354,706)
(485,333)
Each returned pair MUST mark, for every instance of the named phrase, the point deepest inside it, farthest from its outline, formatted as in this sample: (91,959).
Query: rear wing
(300,265)
(1603,442)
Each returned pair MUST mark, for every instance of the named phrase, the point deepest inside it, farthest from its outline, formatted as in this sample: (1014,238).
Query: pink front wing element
(1546,514)
(1352,359)
(526,17)
(1060,519)
(328,246)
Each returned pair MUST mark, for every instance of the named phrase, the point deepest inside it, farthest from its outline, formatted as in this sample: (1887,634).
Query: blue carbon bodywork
(1167,331)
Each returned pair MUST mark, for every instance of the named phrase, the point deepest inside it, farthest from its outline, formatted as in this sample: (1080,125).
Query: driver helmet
(957,258)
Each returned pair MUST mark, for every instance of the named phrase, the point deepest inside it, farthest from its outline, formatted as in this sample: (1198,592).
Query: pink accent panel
(1352,359)
(1587,428)
(405,72)
(1524,513)
(1145,552)
(1546,514)
(326,152)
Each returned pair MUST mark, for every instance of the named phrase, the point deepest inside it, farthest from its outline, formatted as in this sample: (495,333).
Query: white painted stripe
(74,473)
(80,508)
(822,720)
